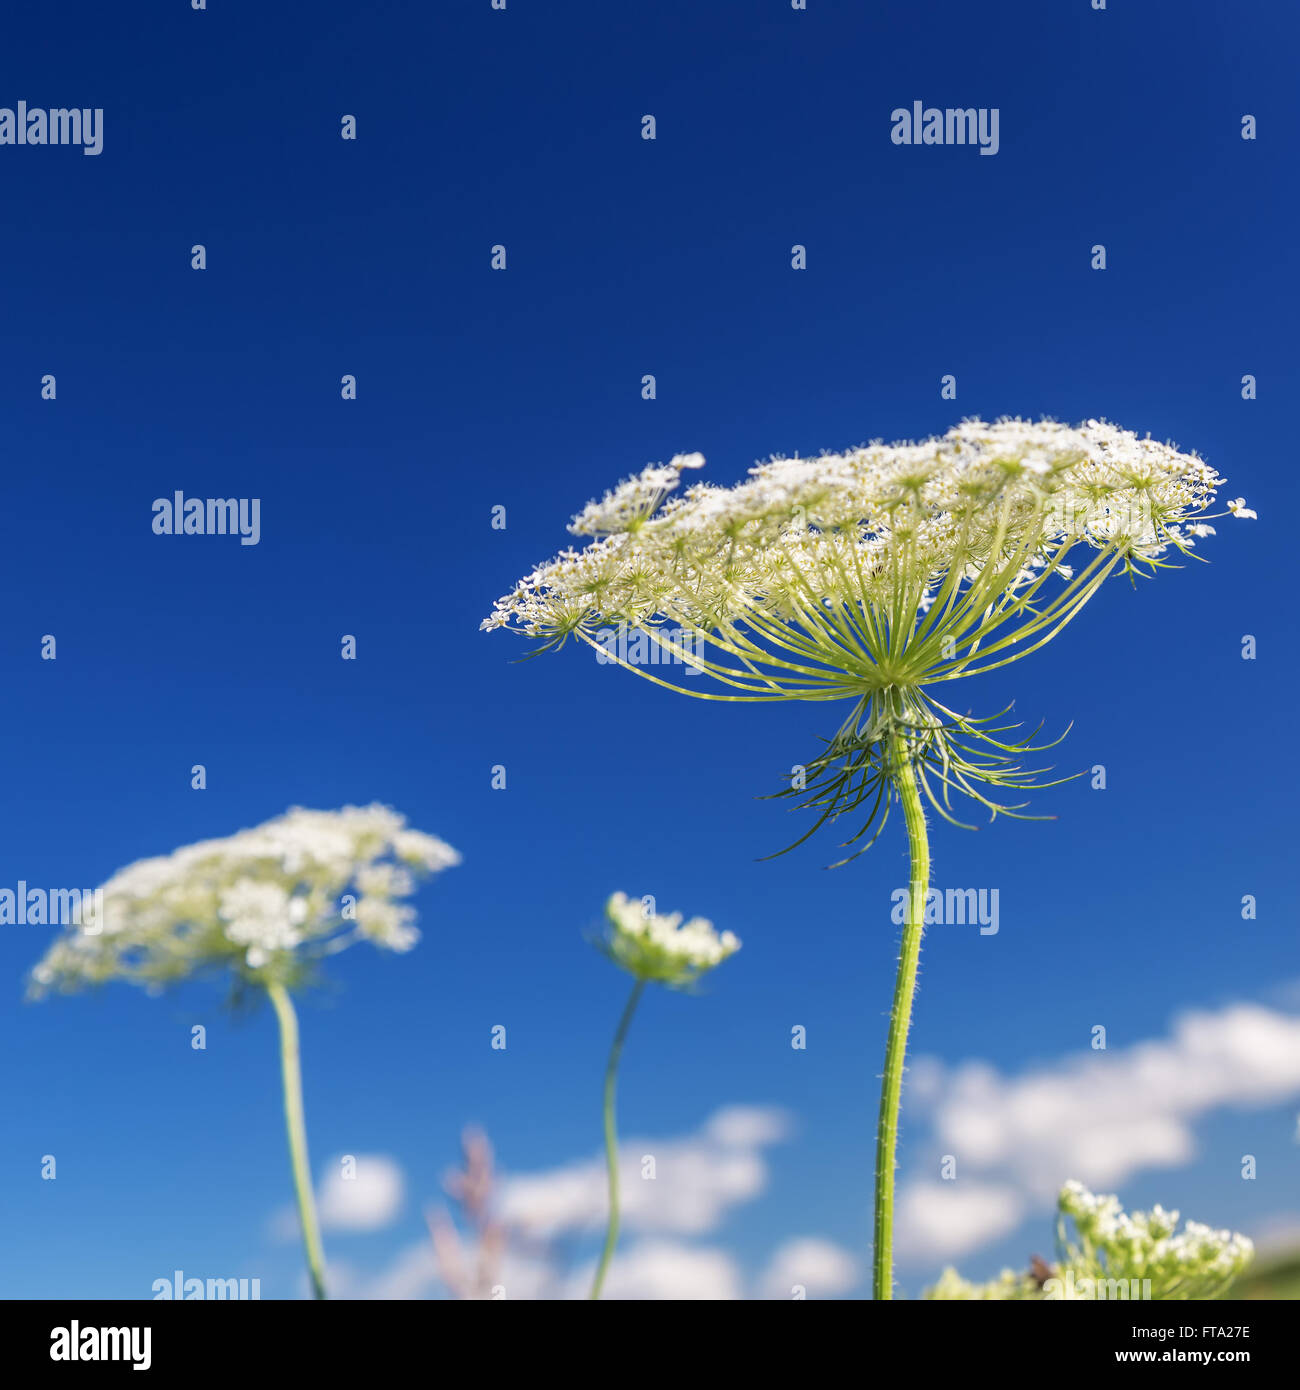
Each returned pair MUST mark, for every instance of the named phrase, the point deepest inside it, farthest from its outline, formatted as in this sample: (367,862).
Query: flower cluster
(874,574)
(858,565)
(1197,1263)
(1137,1255)
(263,902)
(661,948)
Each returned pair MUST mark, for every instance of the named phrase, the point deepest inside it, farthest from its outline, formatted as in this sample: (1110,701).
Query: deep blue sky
(522,389)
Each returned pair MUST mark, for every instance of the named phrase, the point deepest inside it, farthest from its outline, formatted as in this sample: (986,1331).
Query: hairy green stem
(611,1136)
(291,1074)
(900,1018)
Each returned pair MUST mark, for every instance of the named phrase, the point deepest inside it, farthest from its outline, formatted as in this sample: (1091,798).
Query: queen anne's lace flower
(1198,1262)
(662,948)
(876,575)
(829,558)
(1114,1253)
(264,902)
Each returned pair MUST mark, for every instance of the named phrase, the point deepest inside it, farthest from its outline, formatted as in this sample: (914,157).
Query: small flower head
(264,903)
(1198,1263)
(1117,1255)
(660,948)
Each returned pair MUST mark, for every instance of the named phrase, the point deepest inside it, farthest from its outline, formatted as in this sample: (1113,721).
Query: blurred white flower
(265,902)
(661,948)
(262,917)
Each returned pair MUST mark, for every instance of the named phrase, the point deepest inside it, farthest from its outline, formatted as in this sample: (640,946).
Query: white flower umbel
(266,905)
(1115,1254)
(659,948)
(876,576)
(654,949)
(1196,1263)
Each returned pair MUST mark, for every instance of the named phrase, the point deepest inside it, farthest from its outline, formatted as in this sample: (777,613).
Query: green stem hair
(900,1017)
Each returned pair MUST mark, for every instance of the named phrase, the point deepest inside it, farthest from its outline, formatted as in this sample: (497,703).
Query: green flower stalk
(1116,1255)
(875,577)
(264,907)
(296,1127)
(653,949)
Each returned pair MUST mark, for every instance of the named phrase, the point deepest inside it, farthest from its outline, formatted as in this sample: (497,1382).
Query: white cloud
(1096,1116)
(412,1274)
(650,1269)
(942,1220)
(696,1181)
(819,1267)
(664,1269)
(368,1201)
(748,1126)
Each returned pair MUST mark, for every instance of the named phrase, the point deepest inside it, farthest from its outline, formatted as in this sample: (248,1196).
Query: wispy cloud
(818,1268)
(666,1269)
(679,1186)
(1097,1116)
(698,1180)
(942,1220)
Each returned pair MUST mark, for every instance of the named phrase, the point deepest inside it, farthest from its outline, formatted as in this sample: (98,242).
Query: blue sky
(522,389)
